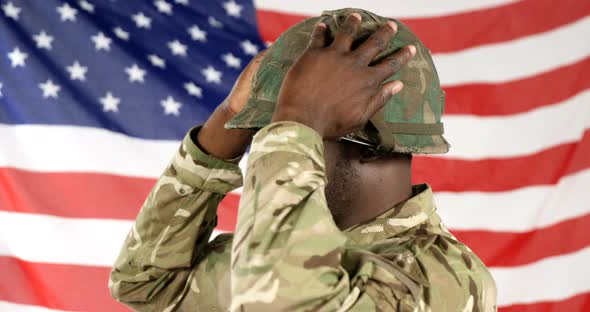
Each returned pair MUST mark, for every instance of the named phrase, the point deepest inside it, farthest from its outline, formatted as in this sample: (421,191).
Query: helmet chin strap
(368,144)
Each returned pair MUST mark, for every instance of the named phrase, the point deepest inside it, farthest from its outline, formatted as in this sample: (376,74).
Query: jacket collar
(398,219)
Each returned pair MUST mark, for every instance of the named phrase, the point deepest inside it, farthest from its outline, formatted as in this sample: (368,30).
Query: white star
(249,47)
(232,8)
(163,6)
(197,33)
(17,58)
(86,6)
(232,61)
(177,47)
(171,106)
(67,13)
(214,22)
(183,2)
(121,34)
(101,42)
(157,61)
(10,10)
(142,21)
(211,74)
(49,89)
(43,40)
(77,71)
(193,89)
(110,103)
(135,73)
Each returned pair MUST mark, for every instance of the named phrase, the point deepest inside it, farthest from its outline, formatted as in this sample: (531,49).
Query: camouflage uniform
(287,253)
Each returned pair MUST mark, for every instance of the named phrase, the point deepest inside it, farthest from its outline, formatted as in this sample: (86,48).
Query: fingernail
(412,49)
(320,25)
(393,25)
(396,87)
(358,16)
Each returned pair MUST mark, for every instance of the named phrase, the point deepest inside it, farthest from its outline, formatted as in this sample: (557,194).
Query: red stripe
(511,249)
(464,30)
(519,95)
(72,194)
(498,24)
(503,174)
(531,246)
(89,195)
(227,214)
(56,286)
(516,96)
(271,24)
(579,303)
(93,195)
(84,288)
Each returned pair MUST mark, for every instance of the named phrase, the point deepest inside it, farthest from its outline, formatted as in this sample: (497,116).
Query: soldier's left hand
(335,89)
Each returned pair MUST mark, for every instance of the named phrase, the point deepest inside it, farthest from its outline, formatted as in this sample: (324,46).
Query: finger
(392,64)
(260,54)
(377,43)
(382,97)
(256,60)
(347,33)
(318,36)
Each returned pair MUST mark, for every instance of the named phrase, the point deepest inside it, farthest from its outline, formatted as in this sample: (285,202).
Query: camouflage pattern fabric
(287,254)
(411,120)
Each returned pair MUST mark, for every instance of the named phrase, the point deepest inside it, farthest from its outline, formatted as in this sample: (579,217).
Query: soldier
(328,218)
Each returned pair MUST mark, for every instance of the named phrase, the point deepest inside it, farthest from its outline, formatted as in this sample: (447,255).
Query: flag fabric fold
(95,97)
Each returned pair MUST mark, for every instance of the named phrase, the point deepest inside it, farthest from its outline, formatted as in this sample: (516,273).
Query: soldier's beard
(342,186)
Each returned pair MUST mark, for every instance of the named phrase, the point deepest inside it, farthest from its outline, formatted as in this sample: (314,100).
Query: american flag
(96,95)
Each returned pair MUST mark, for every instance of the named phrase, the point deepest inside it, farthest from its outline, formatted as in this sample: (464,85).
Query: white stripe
(43,238)
(391,8)
(509,60)
(68,148)
(474,137)
(520,210)
(97,242)
(516,59)
(16,307)
(550,279)
(83,149)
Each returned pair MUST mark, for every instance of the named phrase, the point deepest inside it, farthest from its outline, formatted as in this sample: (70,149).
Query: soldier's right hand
(240,92)
(335,89)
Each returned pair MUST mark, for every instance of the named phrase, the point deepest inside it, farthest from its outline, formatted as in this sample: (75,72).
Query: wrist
(285,115)
(219,142)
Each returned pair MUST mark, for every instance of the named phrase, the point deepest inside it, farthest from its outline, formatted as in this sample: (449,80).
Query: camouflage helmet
(409,122)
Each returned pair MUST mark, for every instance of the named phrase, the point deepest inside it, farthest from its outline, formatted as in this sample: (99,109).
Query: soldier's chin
(341,187)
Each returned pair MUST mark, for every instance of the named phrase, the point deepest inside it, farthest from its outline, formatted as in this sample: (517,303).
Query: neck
(383,184)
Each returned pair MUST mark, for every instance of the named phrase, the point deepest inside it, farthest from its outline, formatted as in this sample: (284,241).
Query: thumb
(382,97)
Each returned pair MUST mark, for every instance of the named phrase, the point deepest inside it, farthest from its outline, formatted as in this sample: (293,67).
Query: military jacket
(287,254)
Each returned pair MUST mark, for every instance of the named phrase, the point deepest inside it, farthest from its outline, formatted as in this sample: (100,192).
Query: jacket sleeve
(170,234)
(287,250)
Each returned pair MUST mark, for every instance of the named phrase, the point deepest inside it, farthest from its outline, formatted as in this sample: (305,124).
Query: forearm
(223,143)
(173,226)
(287,249)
